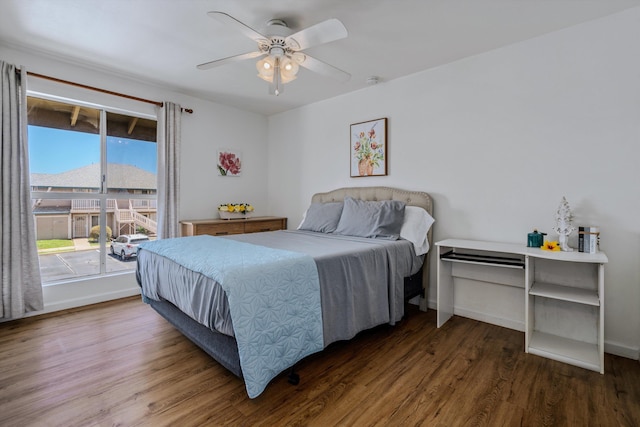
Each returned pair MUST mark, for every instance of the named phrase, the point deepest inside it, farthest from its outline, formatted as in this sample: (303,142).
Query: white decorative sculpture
(564,226)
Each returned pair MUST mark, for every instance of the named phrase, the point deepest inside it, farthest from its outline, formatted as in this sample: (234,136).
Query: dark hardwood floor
(120,363)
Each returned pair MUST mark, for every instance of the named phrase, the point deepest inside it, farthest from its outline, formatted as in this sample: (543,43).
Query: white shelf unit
(563,295)
(565,308)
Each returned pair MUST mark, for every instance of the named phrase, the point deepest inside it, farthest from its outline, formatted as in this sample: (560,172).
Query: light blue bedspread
(274,300)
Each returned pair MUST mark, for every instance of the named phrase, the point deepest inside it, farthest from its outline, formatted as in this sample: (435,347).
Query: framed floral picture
(368,148)
(229,162)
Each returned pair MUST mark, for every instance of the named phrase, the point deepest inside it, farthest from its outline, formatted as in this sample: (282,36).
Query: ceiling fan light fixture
(265,69)
(277,71)
(288,70)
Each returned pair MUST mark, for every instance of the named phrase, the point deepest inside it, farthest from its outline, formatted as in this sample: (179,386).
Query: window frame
(102,195)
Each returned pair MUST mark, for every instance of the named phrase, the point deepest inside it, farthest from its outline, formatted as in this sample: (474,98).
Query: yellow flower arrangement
(236,207)
(550,246)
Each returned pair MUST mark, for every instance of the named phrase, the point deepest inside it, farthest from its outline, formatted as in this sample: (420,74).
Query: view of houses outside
(68,191)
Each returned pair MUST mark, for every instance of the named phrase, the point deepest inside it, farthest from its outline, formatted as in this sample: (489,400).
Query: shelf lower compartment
(577,353)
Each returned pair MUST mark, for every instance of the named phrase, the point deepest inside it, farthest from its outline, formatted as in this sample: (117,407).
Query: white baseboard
(621,350)
(483,317)
(488,318)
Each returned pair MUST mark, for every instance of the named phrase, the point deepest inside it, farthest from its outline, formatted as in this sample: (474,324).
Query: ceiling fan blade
(217,62)
(323,32)
(320,67)
(233,22)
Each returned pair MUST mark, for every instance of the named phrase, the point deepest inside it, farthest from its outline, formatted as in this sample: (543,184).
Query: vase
(234,215)
(365,168)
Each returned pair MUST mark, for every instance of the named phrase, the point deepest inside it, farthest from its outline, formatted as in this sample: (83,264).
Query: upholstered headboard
(411,198)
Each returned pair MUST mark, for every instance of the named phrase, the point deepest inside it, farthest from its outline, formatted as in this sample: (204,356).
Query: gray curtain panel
(21,282)
(169,136)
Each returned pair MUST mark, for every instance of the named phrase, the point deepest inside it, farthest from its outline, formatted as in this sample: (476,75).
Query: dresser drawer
(266,225)
(220,229)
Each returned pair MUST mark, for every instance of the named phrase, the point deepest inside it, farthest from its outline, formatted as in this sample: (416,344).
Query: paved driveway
(69,265)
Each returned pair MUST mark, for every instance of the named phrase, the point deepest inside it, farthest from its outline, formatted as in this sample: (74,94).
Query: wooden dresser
(220,227)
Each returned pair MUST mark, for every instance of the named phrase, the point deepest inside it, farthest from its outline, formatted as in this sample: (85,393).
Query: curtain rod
(159,104)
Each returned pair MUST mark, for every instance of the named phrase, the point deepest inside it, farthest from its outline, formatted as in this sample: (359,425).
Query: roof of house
(119,176)
(52,210)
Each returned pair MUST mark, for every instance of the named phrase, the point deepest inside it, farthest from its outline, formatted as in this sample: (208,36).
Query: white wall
(497,140)
(210,127)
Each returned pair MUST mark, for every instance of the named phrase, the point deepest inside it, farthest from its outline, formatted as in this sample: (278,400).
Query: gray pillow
(322,217)
(381,219)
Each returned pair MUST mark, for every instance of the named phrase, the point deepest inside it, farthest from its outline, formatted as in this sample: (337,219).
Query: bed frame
(224,349)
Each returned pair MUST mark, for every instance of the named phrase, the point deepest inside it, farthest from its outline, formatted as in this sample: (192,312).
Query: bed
(260,302)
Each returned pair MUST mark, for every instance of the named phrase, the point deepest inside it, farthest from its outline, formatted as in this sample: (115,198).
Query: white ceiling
(162,41)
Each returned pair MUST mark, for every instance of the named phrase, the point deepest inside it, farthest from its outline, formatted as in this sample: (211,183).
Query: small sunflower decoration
(550,246)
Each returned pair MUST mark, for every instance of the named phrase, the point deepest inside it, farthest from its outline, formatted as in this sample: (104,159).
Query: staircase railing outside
(141,220)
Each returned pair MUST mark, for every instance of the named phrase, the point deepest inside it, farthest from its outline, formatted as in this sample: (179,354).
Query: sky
(55,150)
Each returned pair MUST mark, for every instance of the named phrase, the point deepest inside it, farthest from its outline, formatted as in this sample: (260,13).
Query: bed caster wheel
(294,378)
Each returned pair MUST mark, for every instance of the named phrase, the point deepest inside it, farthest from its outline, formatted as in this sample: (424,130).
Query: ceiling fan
(281,52)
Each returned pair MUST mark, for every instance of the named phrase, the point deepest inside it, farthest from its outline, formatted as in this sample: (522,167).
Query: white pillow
(417,223)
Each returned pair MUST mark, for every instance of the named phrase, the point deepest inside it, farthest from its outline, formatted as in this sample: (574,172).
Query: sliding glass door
(93,179)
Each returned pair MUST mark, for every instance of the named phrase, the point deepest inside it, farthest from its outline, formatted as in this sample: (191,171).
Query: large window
(93,179)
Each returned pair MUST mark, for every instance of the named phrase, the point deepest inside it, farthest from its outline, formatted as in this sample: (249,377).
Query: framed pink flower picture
(368,148)
(229,162)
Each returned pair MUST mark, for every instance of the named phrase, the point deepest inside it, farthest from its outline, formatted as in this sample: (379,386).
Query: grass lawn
(54,243)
